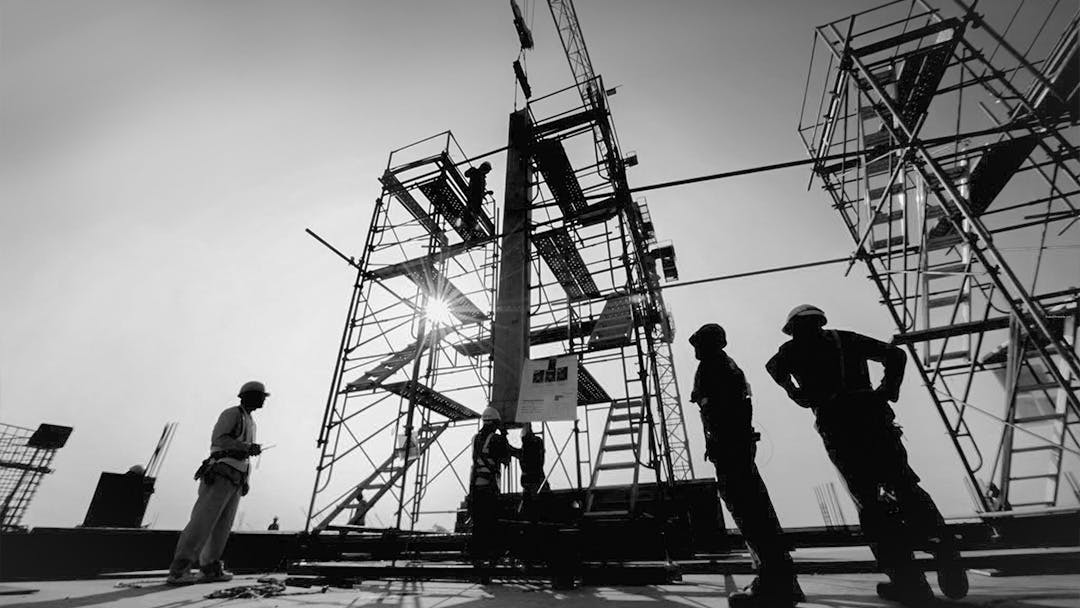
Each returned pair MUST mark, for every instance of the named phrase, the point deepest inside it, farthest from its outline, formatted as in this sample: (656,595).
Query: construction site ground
(989,587)
(834,591)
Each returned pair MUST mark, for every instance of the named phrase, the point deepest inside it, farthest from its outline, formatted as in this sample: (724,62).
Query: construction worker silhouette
(491,452)
(532,467)
(223,479)
(360,510)
(827,372)
(722,393)
(477,177)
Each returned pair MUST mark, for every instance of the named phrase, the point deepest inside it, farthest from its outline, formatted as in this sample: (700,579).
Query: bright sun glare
(438,311)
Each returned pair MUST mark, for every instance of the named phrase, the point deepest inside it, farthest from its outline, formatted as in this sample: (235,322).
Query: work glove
(254,449)
(799,397)
(886,394)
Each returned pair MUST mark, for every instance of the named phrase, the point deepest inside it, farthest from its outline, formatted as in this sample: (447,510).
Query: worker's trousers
(485,542)
(895,512)
(203,540)
(744,493)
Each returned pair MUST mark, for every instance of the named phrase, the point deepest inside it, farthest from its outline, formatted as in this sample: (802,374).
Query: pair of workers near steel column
(827,372)
(490,453)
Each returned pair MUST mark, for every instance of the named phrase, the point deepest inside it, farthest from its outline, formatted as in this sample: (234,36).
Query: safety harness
(485,469)
(212,468)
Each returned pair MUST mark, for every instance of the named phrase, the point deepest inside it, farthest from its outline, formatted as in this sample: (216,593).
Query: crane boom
(566,22)
(592,95)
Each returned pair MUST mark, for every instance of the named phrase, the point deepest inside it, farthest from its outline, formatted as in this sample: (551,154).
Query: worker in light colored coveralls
(223,479)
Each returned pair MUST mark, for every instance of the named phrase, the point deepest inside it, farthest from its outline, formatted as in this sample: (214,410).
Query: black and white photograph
(435,303)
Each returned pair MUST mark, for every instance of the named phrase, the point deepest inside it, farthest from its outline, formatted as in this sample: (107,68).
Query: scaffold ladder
(619,450)
(385,476)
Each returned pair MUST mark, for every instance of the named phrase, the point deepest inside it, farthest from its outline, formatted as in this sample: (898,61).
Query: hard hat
(709,334)
(490,413)
(137,470)
(485,166)
(804,311)
(253,386)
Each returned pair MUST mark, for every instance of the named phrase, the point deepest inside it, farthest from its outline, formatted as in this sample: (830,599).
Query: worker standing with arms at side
(491,452)
(827,372)
(722,393)
(223,479)
(532,467)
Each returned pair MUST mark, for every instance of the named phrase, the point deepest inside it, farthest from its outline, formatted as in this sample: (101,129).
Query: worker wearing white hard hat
(827,371)
(223,479)
(491,452)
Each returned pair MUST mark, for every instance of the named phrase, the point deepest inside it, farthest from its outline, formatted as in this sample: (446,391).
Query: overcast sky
(159,161)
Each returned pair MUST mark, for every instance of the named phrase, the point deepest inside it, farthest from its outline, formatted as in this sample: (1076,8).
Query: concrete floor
(831,591)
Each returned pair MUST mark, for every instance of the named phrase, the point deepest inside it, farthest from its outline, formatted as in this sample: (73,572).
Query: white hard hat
(253,386)
(490,413)
(803,311)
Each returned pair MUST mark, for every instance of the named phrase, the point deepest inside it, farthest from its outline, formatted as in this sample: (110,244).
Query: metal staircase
(927,214)
(424,283)
(383,479)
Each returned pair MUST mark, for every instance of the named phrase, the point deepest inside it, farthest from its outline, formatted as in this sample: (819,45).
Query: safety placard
(548,390)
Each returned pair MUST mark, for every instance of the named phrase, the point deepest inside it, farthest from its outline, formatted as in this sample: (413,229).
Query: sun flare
(438,311)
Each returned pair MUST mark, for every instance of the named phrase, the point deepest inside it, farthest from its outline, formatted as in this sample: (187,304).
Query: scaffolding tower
(450,300)
(25,458)
(949,150)
(676,447)
(423,297)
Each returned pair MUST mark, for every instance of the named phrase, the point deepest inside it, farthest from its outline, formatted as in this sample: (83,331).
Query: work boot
(180,573)
(214,572)
(910,592)
(761,595)
(483,573)
(951,576)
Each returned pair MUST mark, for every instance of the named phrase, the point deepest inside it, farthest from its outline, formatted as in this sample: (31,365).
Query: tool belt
(237,454)
(854,409)
(210,471)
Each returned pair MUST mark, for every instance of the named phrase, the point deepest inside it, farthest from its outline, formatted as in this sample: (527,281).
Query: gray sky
(161,159)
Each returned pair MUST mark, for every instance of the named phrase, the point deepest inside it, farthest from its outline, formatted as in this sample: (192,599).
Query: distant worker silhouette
(722,393)
(477,177)
(827,371)
(532,467)
(360,510)
(274,524)
(223,479)
(491,452)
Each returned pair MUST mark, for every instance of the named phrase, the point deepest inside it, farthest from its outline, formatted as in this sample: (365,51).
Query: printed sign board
(548,390)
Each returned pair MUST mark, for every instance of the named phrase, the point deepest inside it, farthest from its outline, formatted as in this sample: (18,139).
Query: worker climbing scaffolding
(474,203)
